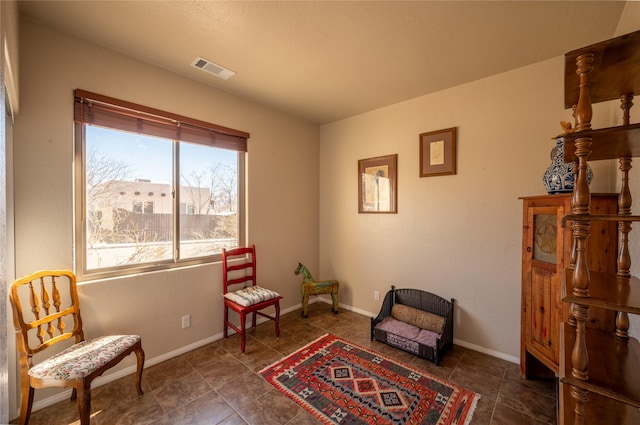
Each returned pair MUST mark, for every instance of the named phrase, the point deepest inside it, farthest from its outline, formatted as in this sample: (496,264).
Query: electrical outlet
(376,295)
(186,321)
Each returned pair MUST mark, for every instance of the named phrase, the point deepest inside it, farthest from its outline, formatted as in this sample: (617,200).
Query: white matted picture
(438,153)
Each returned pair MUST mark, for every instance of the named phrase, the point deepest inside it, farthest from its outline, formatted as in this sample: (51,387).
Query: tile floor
(217,384)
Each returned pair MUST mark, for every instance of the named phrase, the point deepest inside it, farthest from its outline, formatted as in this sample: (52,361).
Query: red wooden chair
(239,268)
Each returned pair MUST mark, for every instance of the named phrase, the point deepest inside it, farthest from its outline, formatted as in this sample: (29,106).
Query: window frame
(79,189)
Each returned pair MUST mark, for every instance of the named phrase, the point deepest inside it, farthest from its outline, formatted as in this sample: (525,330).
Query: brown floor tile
(484,383)
(209,409)
(217,384)
(234,419)
(161,374)
(530,402)
(64,412)
(484,411)
(484,362)
(271,408)
(504,415)
(141,411)
(219,372)
(243,389)
(182,391)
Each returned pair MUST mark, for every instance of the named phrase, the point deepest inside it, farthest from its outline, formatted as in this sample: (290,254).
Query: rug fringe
(472,409)
(288,355)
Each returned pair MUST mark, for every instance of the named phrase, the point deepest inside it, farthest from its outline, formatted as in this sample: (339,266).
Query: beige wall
(457,236)
(282,188)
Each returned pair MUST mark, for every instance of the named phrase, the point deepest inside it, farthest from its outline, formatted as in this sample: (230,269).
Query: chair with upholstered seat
(46,312)
(239,268)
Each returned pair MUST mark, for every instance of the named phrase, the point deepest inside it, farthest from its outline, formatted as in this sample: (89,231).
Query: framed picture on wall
(438,153)
(377,185)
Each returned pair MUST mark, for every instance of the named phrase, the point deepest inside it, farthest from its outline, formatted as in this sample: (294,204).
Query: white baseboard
(105,379)
(459,342)
(64,395)
(487,351)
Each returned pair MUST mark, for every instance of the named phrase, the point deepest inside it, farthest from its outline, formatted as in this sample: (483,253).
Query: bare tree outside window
(206,224)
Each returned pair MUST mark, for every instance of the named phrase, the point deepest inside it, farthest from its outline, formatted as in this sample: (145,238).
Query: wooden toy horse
(312,287)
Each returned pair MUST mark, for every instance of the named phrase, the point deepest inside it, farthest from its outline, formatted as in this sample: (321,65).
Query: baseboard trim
(105,379)
(483,350)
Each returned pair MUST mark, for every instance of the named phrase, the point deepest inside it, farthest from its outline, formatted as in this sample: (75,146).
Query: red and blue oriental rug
(341,383)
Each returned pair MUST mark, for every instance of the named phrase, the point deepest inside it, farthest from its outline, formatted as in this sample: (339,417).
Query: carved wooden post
(581,398)
(584,109)
(626,102)
(57,302)
(624,208)
(624,258)
(580,205)
(46,305)
(624,227)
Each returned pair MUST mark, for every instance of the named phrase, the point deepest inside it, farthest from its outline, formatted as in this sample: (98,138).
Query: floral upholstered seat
(82,359)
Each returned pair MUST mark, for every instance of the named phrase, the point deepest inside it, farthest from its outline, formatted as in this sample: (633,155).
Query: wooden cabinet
(599,369)
(546,253)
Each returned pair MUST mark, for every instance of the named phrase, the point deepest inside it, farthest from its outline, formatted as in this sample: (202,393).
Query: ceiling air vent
(212,68)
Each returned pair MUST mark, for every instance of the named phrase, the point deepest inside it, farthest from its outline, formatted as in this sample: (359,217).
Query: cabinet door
(544,263)
(544,329)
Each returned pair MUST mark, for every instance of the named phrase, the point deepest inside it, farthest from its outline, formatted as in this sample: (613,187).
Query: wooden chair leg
(84,403)
(253,321)
(25,405)
(226,319)
(140,357)
(277,320)
(243,319)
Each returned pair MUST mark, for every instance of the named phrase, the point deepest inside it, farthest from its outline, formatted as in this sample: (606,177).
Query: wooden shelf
(606,143)
(599,217)
(613,365)
(607,290)
(598,411)
(598,73)
(614,71)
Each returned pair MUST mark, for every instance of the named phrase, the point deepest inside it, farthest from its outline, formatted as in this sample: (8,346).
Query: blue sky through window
(151,157)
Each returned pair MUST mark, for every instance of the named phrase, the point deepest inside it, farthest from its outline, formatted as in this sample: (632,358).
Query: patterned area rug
(341,383)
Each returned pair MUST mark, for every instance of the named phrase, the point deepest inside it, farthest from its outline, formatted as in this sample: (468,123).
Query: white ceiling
(328,60)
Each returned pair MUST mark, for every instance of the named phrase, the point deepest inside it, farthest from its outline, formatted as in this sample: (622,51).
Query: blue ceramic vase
(559,177)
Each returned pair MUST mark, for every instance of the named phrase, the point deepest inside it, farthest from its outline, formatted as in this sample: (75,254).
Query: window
(154,190)
(147,207)
(138,207)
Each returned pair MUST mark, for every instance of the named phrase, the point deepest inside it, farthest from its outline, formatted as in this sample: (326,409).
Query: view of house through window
(134,215)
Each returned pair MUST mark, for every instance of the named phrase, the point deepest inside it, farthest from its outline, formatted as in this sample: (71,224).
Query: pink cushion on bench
(428,338)
(394,326)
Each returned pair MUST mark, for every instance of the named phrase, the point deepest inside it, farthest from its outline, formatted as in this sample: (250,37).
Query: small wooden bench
(416,321)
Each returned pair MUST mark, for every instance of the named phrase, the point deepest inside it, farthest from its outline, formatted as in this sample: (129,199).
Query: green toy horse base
(312,287)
